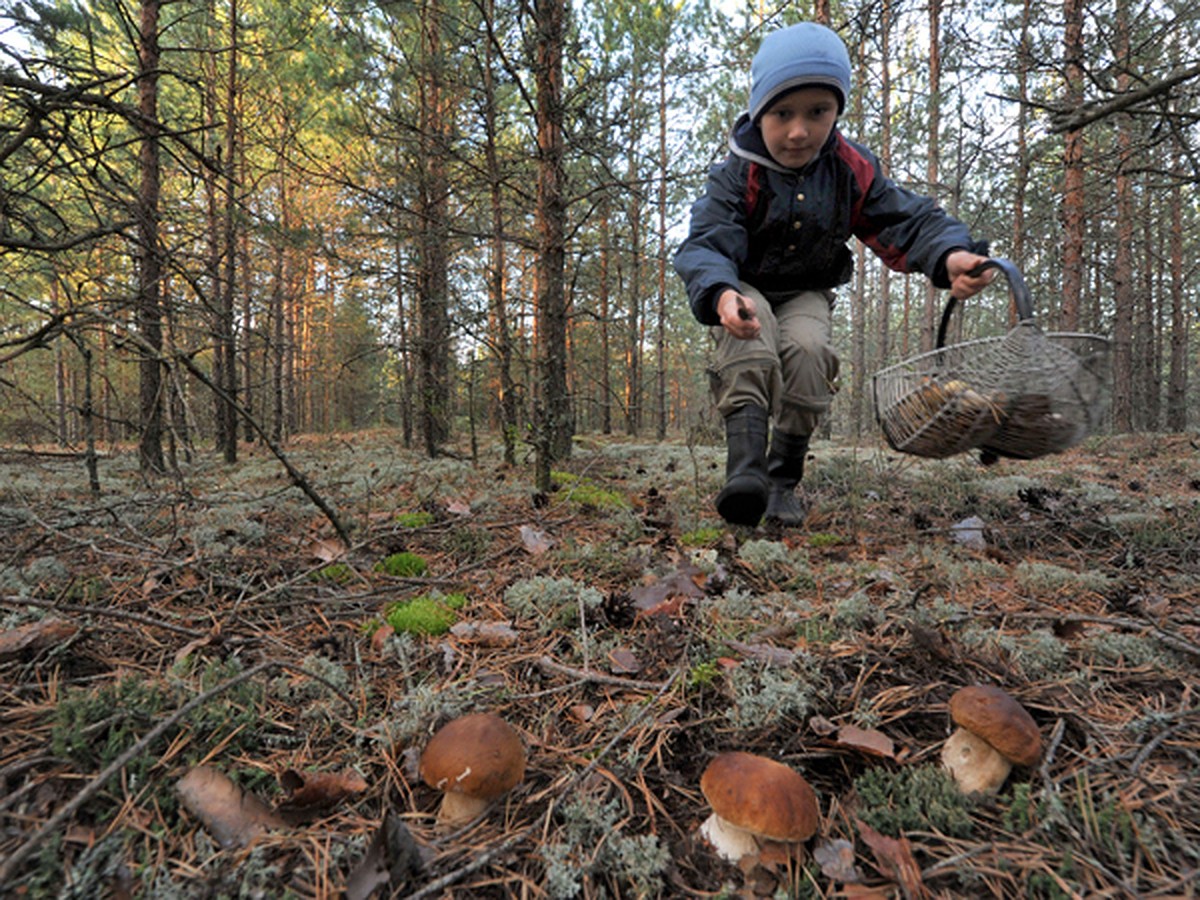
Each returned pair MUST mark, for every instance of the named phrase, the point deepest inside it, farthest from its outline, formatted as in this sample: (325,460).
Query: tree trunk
(1177,380)
(433,350)
(660,341)
(1123,301)
(1021,175)
(149,312)
(885,158)
(556,427)
(1073,201)
(506,394)
(227,378)
(932,174)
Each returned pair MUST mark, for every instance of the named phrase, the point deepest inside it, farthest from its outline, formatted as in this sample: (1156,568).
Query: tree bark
(149,312)
(1073,201)
(556,427)
(1123,301)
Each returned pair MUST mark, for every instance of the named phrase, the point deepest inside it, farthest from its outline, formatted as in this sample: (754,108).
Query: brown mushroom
(472,760)
(994,733)
(754,798)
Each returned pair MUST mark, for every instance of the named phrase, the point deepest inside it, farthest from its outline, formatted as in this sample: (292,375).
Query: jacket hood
(746,142)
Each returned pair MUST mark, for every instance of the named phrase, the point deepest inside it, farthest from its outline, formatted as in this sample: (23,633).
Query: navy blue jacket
(785,230)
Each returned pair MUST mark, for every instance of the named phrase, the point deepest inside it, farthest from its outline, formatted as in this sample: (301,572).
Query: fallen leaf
(822,726)
(836,859)
(764,653)
(393,858)
(192,646)
(679,584)
(536,542)
(234,817)
(379,638)
(35,637)
(326,549)
(312,794)
(489,634)
(582,712)
(869,741)
(624,662)
(672,606)
(895,860)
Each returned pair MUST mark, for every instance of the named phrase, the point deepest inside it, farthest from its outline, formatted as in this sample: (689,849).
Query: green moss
(426,614)
(704,674)
(403,565)
(701,537)
(588,493)
(915,798)
(335,573)
(414,519)
(821,539)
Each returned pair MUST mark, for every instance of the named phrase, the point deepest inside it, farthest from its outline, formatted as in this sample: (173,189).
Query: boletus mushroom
(994,733)
(472,760)
(754,798)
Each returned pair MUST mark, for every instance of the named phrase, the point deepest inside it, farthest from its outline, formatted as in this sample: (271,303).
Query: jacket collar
(746,142)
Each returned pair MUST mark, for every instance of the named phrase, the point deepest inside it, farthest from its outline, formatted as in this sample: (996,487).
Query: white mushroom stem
(458,809)
(977,766)
(731,842)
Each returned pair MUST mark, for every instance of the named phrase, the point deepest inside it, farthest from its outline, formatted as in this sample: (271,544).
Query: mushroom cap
(990,713)
(761,795)
(479,755)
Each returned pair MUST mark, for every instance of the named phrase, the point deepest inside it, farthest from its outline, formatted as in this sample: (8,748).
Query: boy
(767,246)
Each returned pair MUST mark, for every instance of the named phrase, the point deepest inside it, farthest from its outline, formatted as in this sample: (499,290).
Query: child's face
(796,126)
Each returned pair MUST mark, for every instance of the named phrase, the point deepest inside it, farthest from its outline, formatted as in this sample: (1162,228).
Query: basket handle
(1016,286)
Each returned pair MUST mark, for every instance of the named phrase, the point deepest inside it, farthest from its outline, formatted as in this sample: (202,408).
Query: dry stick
(549,665)
(504,846)
(8,867)
(121,614)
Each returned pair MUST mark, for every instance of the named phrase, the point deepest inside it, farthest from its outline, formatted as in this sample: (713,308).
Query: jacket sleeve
(908,231)
(715,247)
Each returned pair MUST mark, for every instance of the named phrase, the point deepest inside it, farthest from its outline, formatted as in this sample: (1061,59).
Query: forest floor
(204,694)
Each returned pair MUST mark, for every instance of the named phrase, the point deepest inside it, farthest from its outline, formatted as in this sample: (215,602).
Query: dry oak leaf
(836,859)
(35,636)
(235,818)
(535,542)
(895,860)
(869,741)
(312,794)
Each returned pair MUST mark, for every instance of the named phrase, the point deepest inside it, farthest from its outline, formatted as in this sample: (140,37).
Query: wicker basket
(1022,395)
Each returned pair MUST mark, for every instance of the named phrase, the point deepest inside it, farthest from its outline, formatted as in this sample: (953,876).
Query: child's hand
(738,314)
(958,264)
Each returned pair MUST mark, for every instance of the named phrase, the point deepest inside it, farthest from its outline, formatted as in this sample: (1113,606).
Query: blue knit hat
(798,56)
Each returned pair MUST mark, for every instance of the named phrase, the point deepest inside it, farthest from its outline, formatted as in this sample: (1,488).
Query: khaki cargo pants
(790,369)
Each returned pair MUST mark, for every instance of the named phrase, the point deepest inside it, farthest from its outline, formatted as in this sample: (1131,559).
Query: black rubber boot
(744,497)
(785,468)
